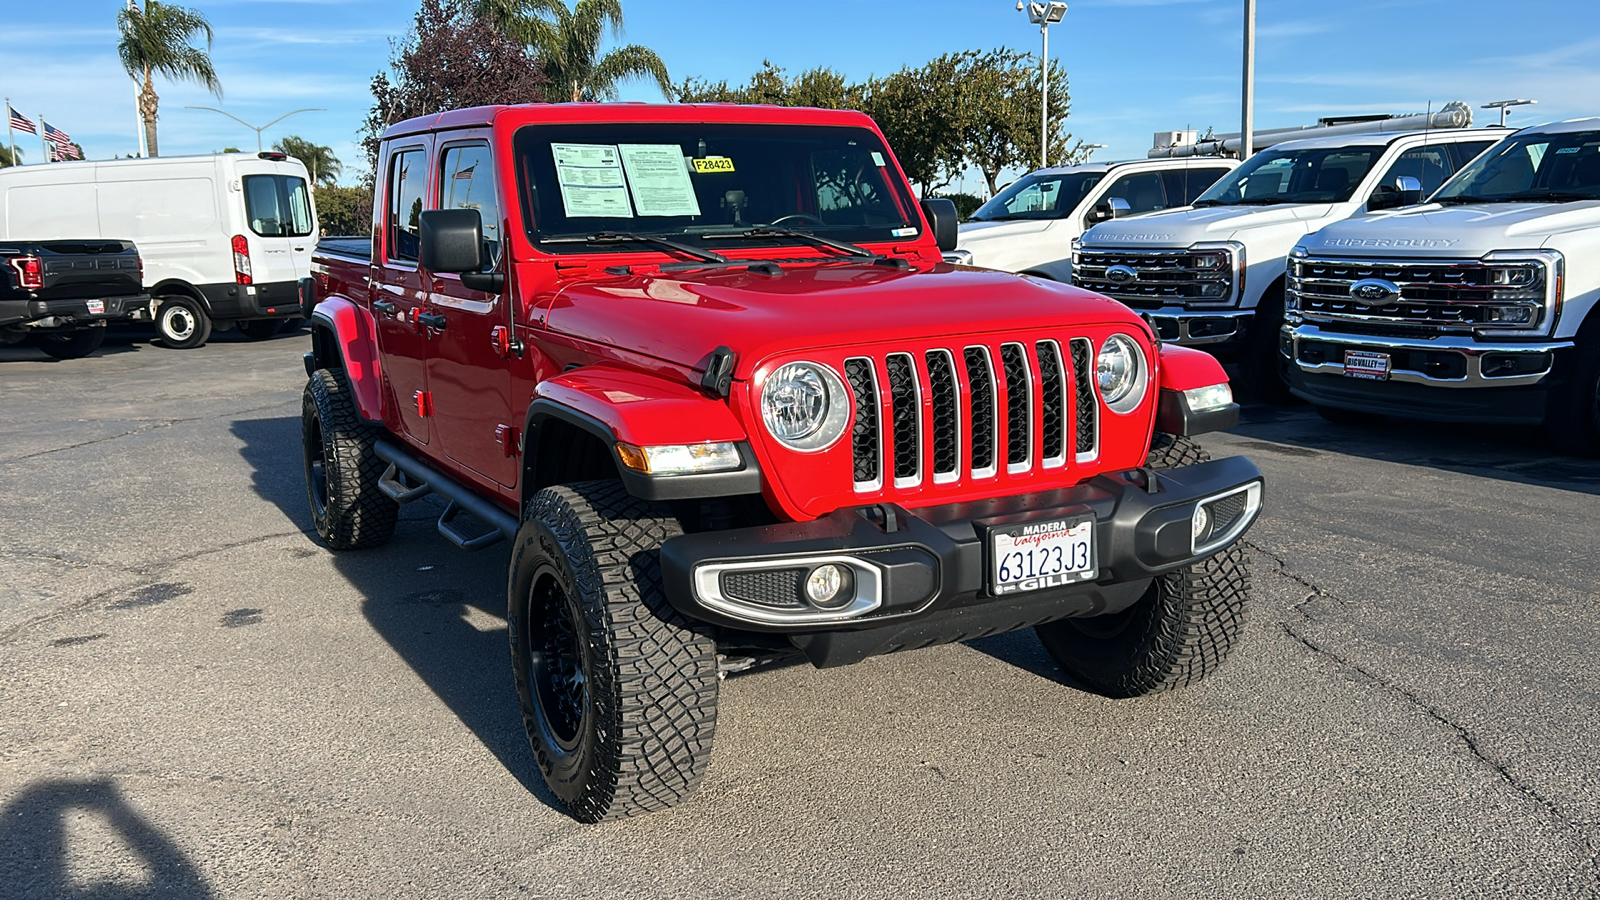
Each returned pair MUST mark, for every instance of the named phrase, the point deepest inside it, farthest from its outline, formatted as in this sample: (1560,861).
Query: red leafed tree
(450,59)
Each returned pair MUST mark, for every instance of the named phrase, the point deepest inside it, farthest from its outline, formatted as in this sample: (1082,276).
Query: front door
(398,295)
(468,369)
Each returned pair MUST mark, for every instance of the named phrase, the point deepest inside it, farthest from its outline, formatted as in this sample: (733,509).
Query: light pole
(1248,115)
(1504,105)
(263,127)
(1044,15)
(1089,149)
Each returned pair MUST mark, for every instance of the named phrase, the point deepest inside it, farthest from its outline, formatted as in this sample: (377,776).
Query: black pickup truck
(59,295)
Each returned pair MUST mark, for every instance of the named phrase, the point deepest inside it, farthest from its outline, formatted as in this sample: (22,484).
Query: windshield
(1042,195)
(1550,167)
(277,205)
(707,185)
(1321,175)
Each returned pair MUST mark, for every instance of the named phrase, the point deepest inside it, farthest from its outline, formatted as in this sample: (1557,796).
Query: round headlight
(805,406)
(1119,373)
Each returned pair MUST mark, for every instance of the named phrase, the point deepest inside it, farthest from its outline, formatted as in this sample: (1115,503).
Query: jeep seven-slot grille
(1013,402)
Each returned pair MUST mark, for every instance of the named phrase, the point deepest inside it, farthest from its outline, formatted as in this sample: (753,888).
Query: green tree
(344,210)
(6,159)
(567,41)
(156,39)
(998,95)
(922,120)
(324,167)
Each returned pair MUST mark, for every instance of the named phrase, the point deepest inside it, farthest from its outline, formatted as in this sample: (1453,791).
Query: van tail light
(30,272)
(241,259)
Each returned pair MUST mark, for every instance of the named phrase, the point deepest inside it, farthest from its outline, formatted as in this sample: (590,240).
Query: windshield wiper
(625,237)
(1546,197)
(1265,201)
(758,231)
(1202,204)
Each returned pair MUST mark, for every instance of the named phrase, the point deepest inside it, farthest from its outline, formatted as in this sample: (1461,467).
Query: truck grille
(1433,296)
(1161,277)
(1010,400)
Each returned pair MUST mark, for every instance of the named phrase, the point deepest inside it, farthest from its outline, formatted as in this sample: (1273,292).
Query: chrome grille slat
(905,398)
(946,394)
(1019,407)
(866,439)
(982,400)
(1053,408)
(1086,411)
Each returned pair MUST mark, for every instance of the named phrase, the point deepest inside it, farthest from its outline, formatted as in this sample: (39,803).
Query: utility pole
(1247,126)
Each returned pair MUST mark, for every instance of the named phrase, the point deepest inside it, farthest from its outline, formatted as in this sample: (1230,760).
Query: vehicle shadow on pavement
(1515,453)
(1023,650)
(440,609)
(34,858)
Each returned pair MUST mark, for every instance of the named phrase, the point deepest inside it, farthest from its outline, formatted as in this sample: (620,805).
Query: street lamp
(262,128)
(1089,149)
(1503,105)
(1044,15)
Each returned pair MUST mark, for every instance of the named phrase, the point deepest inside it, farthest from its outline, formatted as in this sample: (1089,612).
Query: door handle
(431,320)
(384,307)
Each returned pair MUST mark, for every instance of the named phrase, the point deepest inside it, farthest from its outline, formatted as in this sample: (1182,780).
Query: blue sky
(1135,66)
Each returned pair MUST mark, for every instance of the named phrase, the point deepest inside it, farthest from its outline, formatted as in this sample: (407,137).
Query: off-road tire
(258,329)
(1261,365)
(1177,633)
(618,689)
(342,468)
(1349,418)
(182,322)
(1573,419)
(70,344)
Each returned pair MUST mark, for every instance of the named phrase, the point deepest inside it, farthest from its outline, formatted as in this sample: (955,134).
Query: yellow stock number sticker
(713,164)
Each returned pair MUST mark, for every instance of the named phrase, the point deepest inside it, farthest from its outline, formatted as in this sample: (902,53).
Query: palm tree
(156,39)
(320,161)
(568,43)
(6,159)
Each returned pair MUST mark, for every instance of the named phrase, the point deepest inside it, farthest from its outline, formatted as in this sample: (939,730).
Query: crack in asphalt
(153,426)
(1579,830)
(151,575)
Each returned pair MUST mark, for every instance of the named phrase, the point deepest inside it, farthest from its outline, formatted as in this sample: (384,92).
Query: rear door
(469,375)
(398,296)
(278,219)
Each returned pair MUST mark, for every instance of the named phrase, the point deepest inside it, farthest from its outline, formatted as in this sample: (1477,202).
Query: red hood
(682,317)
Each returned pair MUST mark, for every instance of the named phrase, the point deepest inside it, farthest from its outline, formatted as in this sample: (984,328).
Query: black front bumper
(74,313)
(1479,405)
(932,565)
(269,300)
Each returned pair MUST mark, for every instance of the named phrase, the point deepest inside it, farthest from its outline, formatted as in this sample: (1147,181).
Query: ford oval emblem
(1374,292)
(1121,275)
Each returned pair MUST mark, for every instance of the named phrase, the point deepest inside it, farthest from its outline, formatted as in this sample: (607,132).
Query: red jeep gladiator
(704,367)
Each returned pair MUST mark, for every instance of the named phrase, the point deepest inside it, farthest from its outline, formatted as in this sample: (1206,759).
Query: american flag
(63,153)
(55,135)
(21,122)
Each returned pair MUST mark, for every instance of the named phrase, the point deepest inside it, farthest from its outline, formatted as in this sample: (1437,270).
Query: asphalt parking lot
(198,700)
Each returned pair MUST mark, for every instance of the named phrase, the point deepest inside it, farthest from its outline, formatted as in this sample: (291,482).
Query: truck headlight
(805,406)
(1120,374)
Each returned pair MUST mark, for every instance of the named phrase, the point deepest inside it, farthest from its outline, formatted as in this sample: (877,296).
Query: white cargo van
(225,238)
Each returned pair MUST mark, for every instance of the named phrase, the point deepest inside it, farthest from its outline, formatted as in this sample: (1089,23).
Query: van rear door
(279,225)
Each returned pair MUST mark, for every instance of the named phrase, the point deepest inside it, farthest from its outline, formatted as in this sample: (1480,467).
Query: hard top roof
(1563,127)
(529,113)
(1164,161)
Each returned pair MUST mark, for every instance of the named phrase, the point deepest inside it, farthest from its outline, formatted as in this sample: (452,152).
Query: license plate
(1366,364)
(1041,555)
(97,307)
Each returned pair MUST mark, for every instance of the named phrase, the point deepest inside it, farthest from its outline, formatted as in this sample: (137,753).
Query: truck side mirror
(1118,207)
(451,240)
(944,220)
(1405,191)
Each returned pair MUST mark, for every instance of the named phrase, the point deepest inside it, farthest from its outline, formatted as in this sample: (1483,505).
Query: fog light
(1199,524)
(825,587)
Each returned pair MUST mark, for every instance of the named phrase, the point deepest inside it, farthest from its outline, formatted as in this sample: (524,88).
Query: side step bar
(422,479)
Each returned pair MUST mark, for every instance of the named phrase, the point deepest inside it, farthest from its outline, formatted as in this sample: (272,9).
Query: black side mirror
(944,220)
(452,241)
(1119,207)
(1405,191)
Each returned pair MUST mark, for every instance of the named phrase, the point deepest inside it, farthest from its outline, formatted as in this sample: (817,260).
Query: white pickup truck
(1030,225)
(1479,306)
(1213,275)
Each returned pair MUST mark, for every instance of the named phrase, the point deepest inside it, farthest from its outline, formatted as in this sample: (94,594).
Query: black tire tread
(659,712)
(359,515)
(72,345)
(1185,634)
(1573,420)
